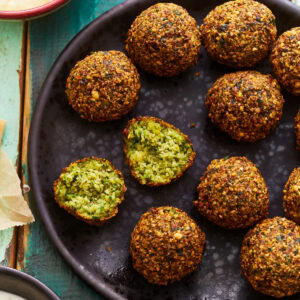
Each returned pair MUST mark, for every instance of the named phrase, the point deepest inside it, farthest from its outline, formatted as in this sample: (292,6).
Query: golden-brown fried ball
(103,86)
(285,60)
(164,40)
(239,33)
(270,257)
(246,105)
(291,196)
(232,193)
(166,245)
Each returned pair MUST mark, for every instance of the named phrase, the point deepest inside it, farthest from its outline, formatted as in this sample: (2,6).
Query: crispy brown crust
(285,60)
(270,257)
(221,192)
(247,105)
(239,33)
(125,135)
(103,86)
(164,40)
(291,196)
(77,215)
(166,245)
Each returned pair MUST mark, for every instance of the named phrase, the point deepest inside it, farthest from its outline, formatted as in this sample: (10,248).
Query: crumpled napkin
(14,210)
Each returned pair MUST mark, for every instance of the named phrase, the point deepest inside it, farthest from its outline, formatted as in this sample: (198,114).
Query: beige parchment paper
(14,210)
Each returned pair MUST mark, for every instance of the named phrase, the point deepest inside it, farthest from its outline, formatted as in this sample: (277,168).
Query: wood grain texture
(24,231)
(48,36)
(10,67)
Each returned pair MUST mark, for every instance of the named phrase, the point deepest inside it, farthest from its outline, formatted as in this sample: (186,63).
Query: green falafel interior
(157,152)
(90,188)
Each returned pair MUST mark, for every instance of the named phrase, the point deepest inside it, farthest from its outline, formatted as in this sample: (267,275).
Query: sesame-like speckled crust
(246,105)
(291,196)
(239,33)
(91,221)
(166,245)
(297,130)
(164,40)
(126,132)
(103,86)
(232,193)
(270,257)
(285,60)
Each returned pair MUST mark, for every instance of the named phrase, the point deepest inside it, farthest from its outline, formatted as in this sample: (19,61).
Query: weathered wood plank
(24,231)
(48,36)
(11,35)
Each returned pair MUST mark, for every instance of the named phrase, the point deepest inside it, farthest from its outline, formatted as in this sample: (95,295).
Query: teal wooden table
(27,52)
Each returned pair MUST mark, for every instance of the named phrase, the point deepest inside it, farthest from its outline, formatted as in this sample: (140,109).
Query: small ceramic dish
(18,10)
(23,285)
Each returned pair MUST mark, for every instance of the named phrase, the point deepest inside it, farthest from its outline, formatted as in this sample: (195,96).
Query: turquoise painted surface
(10,60)
(10,63)
(48,37)
(5,238)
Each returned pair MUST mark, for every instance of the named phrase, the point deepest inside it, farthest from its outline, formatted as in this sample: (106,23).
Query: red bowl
(33,12)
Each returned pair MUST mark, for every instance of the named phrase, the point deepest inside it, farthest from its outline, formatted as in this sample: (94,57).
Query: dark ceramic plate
(23,285)
(59,136)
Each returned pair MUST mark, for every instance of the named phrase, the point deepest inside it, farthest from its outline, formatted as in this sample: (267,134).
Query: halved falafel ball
(291,196)
(270,257)
(103,86)
(232,193)
(246,105)
(90,189)
(285,60)
(297,130)
(166,245)
(156,152)
(239,33)
(164,40)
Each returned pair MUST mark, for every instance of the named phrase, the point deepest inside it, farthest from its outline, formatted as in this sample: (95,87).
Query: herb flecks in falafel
(232,193)
(90,189)
(166,245)
(247,105)
(239,33)
(156,152)
(103,86)
(285,60)
(270,257)
(164,40)
(291,196)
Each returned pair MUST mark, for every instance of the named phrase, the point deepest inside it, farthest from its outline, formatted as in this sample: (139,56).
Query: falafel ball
(232,193)
(291,196)
(164,40)
(297,130)
(239,33)
(157,152)
(90,189)
(103,86)
(285,60)
(246,105)
(270,257)
(166,245)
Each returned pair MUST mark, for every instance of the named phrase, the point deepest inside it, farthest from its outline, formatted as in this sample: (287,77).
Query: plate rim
(29,279)
(86,276)
(33,12)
